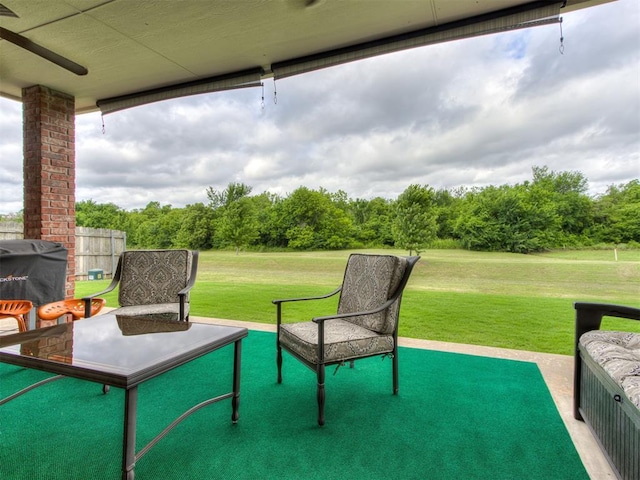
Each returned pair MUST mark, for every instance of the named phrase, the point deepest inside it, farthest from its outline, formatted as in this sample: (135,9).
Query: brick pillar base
(49,170)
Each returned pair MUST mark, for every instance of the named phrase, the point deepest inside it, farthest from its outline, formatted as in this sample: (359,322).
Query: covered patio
(63,58)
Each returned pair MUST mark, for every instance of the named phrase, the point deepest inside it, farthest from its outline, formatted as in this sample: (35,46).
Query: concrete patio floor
(557,371)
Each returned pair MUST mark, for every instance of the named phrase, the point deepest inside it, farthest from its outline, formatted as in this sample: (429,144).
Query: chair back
(150,277)
(369,282)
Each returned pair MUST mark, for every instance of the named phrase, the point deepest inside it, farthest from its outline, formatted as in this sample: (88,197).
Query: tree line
(552,210)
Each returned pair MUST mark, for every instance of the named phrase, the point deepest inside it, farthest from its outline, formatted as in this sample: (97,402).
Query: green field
(496,299)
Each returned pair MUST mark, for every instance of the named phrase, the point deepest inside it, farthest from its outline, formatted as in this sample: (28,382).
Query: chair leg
(279,362)
(395,372)
(320,395)
(22,324)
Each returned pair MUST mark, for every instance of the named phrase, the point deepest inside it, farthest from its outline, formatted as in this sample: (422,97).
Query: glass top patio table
(121,351)
(124,351)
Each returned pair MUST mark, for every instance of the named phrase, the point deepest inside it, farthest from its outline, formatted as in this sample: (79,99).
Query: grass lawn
(496,299)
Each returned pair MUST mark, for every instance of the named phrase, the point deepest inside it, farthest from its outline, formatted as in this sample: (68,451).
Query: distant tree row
(553,210)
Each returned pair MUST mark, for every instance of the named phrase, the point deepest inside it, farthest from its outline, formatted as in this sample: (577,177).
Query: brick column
(50,170)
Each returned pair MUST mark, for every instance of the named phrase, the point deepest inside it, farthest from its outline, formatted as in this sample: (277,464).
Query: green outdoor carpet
(456,417)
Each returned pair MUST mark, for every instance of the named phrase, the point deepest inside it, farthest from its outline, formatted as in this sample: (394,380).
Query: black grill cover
(33,270)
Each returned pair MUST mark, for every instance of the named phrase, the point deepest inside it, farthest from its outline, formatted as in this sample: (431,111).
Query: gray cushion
(369,281)
(156,308)
(618,353)
(153,276)
(343,340)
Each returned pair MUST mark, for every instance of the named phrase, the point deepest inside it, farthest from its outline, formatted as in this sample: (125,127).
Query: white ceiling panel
(133,46)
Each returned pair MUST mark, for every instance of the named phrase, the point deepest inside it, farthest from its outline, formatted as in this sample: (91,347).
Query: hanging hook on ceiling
(262,102)
(561,47)
(275,93)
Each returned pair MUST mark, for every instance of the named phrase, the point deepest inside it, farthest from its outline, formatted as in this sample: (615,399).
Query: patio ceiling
(175,48)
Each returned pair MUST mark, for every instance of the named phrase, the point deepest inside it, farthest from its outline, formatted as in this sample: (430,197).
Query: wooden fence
(96,248)
(10,230)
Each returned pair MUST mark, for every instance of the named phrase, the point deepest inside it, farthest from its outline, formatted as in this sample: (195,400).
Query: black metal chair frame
(319,368)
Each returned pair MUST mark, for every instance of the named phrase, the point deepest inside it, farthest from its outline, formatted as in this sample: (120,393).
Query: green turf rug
(456,417)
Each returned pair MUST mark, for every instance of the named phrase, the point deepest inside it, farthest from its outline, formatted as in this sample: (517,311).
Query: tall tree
(154,226)
(415,224)
(617,214)
(310,220)
(238,225)
(196,228)
(508,218)
(448,206)
(99,215)
(223,203)
(372,221)
(567,192)
(264,206)
(222,198)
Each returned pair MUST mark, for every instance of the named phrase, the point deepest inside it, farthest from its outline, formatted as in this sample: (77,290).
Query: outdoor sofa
(607,384)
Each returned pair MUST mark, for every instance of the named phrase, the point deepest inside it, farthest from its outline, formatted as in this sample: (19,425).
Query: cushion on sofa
(619,355)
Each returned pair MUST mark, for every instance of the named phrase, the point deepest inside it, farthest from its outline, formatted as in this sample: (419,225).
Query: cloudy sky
(476,112)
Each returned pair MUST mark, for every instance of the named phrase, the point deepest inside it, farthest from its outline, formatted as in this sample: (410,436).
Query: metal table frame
(128,379)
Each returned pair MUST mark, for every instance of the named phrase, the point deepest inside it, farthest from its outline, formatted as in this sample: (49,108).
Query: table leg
(129,436)
(235,401)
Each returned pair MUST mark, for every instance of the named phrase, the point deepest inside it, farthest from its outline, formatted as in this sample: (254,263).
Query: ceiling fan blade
(45,53)
(302,4)
(5,12)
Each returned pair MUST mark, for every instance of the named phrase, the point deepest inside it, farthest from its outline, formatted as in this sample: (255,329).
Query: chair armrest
(320,321)
(114,282)
(300,299)
(192,274)
(278,303)
(608,309)
(94,295)
(589,315)
(182,294)
(338,316)
(87,299)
